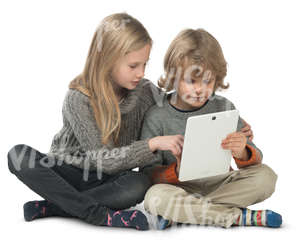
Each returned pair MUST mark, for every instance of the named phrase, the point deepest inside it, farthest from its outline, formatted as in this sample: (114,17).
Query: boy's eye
(132,66)
(190,81)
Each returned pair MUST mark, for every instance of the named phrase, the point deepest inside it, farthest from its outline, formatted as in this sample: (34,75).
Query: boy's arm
(254,154)
(162,174)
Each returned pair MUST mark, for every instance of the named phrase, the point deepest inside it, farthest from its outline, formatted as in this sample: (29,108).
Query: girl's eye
(134,66)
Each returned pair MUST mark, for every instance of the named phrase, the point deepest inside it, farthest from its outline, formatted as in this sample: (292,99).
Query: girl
(195,67)
(86,174)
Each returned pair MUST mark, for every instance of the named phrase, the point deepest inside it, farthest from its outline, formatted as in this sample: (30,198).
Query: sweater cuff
(254,157)
(170,173)
(143,154)
(165,175)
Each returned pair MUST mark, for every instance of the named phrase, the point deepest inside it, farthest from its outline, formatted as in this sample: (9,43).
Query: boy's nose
(198,90)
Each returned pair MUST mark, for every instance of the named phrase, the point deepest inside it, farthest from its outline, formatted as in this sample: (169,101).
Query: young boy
(195,68)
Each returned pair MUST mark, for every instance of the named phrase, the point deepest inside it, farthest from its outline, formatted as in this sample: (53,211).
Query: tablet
(202,154)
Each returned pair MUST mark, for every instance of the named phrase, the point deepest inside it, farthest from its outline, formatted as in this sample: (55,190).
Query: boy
(195,67)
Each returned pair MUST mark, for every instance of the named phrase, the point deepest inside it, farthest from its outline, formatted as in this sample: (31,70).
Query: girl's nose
(140,73)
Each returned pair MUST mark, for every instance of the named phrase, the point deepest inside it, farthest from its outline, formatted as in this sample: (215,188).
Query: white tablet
(202,154)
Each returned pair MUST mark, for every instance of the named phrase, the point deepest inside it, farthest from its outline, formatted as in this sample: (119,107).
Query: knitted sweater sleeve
(79,113)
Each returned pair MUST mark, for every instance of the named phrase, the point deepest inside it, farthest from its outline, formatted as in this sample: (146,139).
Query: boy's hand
(246,130)
(236,142)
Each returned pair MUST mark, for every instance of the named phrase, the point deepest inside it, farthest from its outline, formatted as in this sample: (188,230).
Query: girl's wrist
(152,144)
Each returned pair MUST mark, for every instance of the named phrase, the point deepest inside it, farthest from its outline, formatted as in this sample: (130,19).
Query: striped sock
(258,218)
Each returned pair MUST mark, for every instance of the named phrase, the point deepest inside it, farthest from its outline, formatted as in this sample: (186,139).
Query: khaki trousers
(212,201)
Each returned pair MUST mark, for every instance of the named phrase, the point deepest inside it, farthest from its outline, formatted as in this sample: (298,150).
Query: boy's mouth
(198,98)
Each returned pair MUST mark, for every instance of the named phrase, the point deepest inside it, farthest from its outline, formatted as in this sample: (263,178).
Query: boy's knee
(265,181)
(157,197)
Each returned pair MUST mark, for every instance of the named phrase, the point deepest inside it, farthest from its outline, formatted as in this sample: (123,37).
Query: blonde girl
(87,172)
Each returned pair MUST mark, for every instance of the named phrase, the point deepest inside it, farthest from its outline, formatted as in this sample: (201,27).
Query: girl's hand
(236,142)
(174,143)
(246,130)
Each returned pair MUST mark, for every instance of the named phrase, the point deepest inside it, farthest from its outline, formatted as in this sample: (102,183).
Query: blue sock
(127,218)
(162,223)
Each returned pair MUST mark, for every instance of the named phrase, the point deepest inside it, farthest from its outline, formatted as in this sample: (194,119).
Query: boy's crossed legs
(219,200)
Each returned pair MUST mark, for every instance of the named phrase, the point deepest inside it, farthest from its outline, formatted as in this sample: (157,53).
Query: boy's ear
(215,86)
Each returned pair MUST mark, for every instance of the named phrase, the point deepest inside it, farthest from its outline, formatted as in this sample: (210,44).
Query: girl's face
(193,93)
(130,69)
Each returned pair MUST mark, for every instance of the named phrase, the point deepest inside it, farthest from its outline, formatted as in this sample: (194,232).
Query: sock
(258,218)
(162,223)
(41,209)
(127,218)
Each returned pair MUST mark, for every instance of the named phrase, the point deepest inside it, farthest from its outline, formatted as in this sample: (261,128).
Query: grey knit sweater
(79,141)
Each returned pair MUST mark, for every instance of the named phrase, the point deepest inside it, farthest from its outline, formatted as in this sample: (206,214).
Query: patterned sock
(259,218)
(42,209)
(163,223)
(127,218)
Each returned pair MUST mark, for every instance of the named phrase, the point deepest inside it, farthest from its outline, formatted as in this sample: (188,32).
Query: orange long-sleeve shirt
(167,174)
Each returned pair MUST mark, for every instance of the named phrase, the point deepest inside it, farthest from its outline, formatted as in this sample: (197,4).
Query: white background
(44,45)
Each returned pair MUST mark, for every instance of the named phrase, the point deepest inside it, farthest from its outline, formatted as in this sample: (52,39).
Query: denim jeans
(63,185)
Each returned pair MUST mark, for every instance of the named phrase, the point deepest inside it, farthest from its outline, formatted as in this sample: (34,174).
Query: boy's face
(194,92)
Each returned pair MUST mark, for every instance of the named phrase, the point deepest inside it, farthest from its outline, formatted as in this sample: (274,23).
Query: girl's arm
(156,170)
(79,114)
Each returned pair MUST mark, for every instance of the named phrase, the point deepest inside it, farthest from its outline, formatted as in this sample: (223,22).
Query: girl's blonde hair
(116,36)
(193,47)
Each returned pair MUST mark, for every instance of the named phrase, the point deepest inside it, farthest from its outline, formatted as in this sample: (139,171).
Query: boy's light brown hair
(195,48)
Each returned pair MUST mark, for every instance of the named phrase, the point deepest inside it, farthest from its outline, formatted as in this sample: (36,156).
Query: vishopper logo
(107,26)
(189,209)
(174,77)
(99,156)
(27,157)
